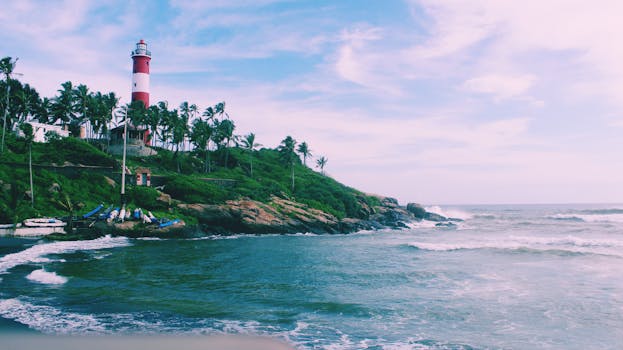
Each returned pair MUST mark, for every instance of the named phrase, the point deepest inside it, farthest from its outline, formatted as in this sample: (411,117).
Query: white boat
(30,231)
(44,222)
(113,215)
(122,214)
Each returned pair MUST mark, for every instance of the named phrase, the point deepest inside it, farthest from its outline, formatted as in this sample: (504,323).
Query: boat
(113,215)
(151,216)
(20,230)
(44,222)
(93,212)
(104,215)
(122,214)
(168,223)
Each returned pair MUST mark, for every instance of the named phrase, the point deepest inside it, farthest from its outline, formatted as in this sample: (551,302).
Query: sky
(429,101)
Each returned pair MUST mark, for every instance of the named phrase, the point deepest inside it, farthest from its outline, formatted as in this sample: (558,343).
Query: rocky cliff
(281,215)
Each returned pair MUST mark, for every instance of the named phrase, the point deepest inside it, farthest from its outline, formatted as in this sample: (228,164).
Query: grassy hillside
(86,189)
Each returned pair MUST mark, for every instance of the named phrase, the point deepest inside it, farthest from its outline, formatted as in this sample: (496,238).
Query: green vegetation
(200,159)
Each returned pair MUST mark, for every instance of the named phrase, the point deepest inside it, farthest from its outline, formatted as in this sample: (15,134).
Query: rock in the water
(417,210)
(434,217)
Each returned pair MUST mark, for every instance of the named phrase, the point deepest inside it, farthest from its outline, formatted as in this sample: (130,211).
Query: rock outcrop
(420,213)
(281,215)
(249,216)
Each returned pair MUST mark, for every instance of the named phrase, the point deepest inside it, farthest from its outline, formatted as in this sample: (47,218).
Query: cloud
(500,86)
(537,37)
(617,123)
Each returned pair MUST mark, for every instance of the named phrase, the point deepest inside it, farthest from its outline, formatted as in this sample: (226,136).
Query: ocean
(507,277)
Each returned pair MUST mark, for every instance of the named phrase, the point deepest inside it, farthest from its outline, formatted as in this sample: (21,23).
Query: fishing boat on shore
(33,228)
(44,222)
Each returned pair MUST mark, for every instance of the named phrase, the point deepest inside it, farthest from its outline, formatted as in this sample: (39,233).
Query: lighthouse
(140,78)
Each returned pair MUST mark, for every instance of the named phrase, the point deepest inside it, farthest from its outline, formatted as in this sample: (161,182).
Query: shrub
(145,197)
(192,190)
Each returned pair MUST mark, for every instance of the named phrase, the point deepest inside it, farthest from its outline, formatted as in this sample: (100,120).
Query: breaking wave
(611,215)
(48,319)
(569,244)
(449,213)
(37,253)
(45,277)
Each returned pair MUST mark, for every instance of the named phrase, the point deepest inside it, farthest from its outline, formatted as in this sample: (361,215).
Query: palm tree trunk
(6,111)
(292,166)
(227,153)
(32,189)
(205,164)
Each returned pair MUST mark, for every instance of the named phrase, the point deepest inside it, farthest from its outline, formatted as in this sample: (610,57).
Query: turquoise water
(523,277)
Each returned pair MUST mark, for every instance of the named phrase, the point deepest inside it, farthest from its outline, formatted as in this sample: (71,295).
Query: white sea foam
(37,253)
(568,241)
(421,224)
(614,217)
(572,244)
(45,277)
(48,319)
(449,213)
(444,247)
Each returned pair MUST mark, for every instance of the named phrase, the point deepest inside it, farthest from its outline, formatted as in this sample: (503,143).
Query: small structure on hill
(137,142)
(42,132)
(136,135)
(143,176)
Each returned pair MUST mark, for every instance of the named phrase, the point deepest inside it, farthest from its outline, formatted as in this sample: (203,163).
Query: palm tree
(109,103)
(7,65)
(98,113)
(26,102)
(223,135)
(187,114)
(321,162)
(164,122)
(63,105)
(288,155)
(200,135)
(29,137)
(82,97)
(304,150)
(67,204)
(44,110)
(178,129)
(153,121)
(137,113)
(249,144)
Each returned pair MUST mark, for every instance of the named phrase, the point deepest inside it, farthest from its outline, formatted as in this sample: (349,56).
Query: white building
(40,131)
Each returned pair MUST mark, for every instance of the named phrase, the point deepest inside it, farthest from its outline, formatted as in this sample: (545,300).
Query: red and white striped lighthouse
(140,73)
(140,78)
